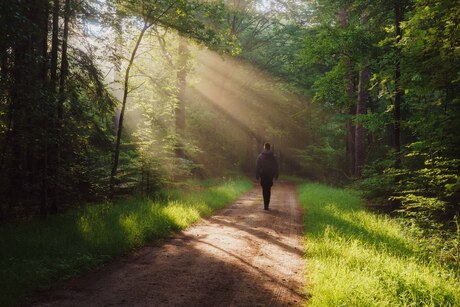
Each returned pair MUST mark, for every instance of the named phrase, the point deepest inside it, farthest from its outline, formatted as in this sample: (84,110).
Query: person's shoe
(265,207)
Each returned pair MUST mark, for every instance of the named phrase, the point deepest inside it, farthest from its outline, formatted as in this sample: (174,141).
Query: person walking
(266,170)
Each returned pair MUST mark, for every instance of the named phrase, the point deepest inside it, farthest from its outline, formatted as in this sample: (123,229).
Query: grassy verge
(357,258)
(34,254)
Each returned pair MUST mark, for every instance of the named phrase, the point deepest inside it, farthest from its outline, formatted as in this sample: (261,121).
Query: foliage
(372,260)
(411,49)
(210,82)
(56,123)
(378,181)
(430,192)
(59,106)
(36,253)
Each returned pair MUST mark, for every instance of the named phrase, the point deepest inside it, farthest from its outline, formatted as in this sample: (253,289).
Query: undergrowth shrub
(358,258)
(425,191)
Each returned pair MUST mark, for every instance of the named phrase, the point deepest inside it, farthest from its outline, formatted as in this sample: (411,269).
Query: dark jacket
(267,165)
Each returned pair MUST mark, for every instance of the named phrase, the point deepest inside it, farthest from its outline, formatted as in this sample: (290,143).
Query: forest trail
(240,256)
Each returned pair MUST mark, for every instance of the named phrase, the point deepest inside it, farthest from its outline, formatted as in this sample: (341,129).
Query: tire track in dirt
(240,256)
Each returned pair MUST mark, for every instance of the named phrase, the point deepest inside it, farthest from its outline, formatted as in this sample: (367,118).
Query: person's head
(267,146)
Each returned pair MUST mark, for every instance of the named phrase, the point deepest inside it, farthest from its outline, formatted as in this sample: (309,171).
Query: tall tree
(361,109)
(64,71)
(147,23)
(398,15)
(187,18)
(28,99)
(182,69)
(349,96)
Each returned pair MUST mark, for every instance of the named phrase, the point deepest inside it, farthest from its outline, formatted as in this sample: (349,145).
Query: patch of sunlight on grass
(182,214)
(133,229)
(357,258)
(35,254)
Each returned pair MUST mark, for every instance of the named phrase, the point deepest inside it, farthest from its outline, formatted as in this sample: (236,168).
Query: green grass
(35,254)
(357,258)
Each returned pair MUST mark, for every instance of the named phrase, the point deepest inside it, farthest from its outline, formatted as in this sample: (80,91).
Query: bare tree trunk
(181,82)
(360,136)
(43,38)
(398,91)
(54,46)
(234,29)
(18,101)
(42,161)
(60,105)
(350,142)
(351,129)
(27,103)
(116,153)
(248,163)
(53,163)
(361,109)
(4,76)
(182,71)
(117,68)
(35,122)
(6,142)
(349,92)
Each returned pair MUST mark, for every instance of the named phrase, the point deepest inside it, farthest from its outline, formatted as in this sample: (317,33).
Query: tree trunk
(233,29)
(54,46)
(361,109)
(398,91)
(28,103)
(351,129)
(360,136)
(350,142)
(116,153)
(117,92)
(18,102)
(60,106)
(349,92)
(4,79)
(42,161)
(182,71)
(53,98)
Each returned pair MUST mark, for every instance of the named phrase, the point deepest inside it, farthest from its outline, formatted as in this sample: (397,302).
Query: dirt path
(241,256)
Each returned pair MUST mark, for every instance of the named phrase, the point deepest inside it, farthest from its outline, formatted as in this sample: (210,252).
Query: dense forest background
(107,98)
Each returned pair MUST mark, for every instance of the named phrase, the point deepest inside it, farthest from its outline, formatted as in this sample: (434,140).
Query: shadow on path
(241,256)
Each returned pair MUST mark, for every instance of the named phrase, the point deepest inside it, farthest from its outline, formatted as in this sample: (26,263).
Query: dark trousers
(266,192)
(266,183)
